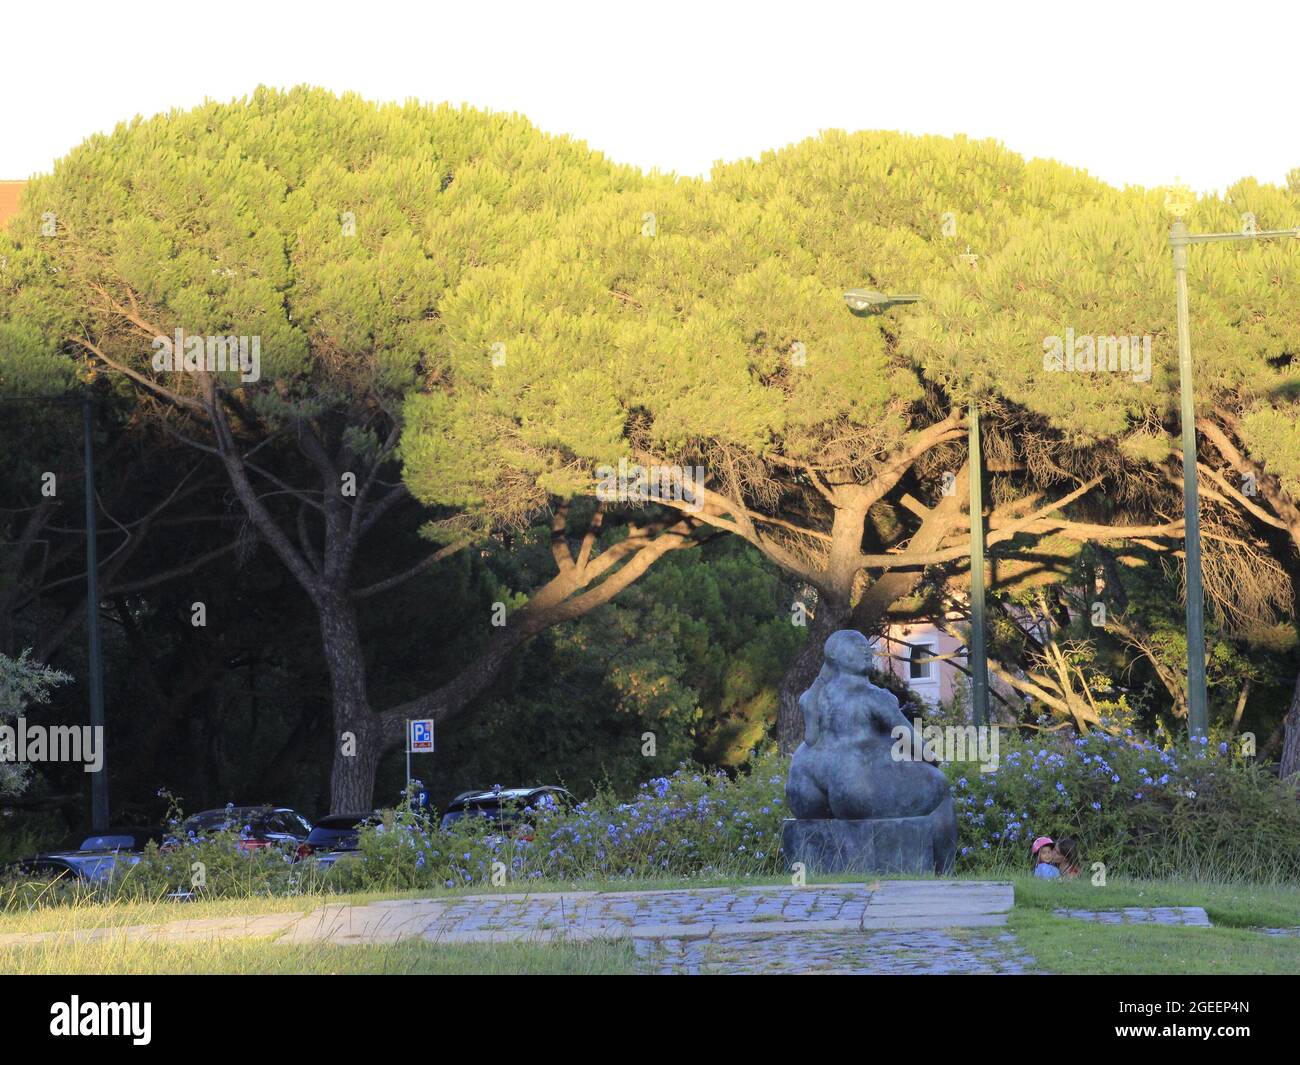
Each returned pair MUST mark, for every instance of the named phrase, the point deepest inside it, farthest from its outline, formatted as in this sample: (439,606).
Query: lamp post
(1179,200)
(95,658)
(979,663)
(867,301)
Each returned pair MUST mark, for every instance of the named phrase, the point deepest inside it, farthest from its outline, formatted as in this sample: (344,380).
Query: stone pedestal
(878,845)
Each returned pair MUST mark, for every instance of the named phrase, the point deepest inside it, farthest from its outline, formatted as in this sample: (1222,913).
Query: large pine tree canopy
(634,311)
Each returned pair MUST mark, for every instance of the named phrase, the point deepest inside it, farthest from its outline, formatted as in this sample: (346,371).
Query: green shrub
(1191,810)
(692,823)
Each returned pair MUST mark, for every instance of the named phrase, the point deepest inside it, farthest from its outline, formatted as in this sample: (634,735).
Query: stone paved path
(890,926)
(897,953)
(696,913)
(1169,915)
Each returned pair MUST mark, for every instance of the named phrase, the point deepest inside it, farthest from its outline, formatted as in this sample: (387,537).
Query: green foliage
(23,685)
(1141,809)
(689,823)
(693,653)
(1196,812)
(328,226)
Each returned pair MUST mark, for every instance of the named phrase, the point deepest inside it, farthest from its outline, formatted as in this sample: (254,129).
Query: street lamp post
(979,663)
(1179,201)
(99,783)
(865,300)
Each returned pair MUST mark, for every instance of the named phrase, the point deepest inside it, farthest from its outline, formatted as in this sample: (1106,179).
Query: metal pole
(1197,709)
(98,781)
(979,665)
(406,788)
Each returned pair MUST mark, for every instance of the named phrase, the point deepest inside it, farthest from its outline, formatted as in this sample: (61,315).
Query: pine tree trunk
(803,671)
(357,739)
(1290,762)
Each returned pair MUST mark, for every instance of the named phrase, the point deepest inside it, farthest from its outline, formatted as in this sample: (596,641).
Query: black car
(333,835)
(258,827)
(509,806)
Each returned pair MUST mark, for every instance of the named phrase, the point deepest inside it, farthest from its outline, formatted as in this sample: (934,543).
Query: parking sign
(421,737)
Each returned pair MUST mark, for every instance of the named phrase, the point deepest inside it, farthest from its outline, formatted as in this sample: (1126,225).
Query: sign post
(419,740)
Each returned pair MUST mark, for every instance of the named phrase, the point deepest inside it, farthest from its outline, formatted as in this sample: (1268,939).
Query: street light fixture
(868,301)
(1179,200)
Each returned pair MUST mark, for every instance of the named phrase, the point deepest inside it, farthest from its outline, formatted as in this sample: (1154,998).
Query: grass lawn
(1239,905)
(1068,947)
(1059,945)
(255,956)
(1063,945)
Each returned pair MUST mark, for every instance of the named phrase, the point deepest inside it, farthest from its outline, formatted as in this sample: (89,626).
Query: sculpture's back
(856,806)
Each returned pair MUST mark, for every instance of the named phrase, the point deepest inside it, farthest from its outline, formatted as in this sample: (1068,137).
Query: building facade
(9,193)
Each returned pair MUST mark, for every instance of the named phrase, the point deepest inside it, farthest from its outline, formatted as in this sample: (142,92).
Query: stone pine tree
(1102,274)
(702,324)
(324,232)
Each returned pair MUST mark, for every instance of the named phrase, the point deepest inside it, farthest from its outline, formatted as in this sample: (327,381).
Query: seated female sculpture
(845,767)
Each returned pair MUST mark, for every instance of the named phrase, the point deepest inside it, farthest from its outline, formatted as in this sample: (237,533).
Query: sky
(1136,92)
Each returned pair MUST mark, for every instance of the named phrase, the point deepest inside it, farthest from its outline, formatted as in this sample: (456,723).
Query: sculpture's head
(849,650)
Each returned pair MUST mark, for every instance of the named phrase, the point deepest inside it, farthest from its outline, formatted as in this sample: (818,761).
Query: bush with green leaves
(216,863)
(1195,810)
(689,824)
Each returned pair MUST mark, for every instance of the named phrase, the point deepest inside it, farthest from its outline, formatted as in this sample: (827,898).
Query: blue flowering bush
(212,863)
(690,824)
(1141,808)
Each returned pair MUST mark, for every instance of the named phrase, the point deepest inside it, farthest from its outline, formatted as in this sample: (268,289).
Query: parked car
(122,839)
(258,827)
(333,836)
(92,858)
(508,806)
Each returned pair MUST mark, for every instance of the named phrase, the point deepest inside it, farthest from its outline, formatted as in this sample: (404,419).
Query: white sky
(679,85)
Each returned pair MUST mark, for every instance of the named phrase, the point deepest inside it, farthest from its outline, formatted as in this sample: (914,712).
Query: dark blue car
(93,859)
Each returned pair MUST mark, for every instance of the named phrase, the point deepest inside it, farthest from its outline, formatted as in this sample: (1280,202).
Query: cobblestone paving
(1280,931)
(653,909)
(919,952)
(1168,915)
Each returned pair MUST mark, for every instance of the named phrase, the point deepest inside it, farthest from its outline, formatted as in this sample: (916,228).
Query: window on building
(921,662)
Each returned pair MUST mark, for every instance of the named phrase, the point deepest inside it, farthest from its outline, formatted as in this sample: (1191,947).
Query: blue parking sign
(421,735)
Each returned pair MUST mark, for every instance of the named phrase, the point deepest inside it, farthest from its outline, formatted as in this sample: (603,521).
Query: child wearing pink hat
(1043,859)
